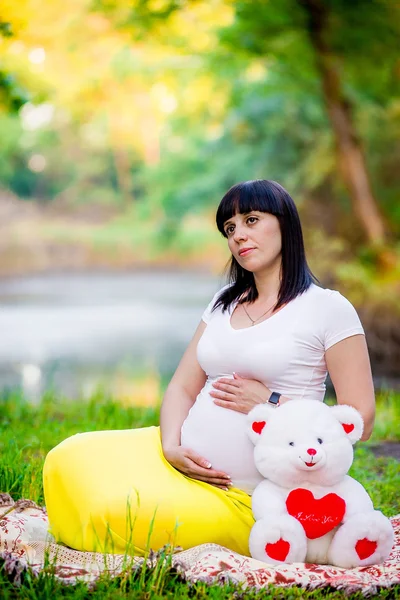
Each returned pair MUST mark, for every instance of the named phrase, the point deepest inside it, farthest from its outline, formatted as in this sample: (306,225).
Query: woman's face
(255,240)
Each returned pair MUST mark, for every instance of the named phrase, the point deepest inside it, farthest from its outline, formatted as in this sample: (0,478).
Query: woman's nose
(240,234)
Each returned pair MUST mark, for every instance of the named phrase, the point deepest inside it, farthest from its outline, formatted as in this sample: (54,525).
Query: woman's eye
(319,441)
(229,230)
(252,219)
(291,443)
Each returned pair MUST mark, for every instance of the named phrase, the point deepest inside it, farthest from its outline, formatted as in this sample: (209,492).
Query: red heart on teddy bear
(365,548)
(258,426)
(317,517)
(279,550)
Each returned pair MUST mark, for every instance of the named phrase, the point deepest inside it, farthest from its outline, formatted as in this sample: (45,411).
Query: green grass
(28,432)
(387,424)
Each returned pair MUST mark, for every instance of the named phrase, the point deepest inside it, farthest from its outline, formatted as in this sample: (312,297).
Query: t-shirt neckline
(275,314)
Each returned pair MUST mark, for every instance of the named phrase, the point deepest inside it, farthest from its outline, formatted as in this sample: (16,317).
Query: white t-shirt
(286,352)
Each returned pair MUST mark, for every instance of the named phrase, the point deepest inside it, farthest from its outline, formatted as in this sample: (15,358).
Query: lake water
(74,332)
(121,332)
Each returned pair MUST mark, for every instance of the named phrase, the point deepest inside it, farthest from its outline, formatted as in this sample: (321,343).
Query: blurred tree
(319,16)
(171,102)
(339,55)
(352,48)
(73,60)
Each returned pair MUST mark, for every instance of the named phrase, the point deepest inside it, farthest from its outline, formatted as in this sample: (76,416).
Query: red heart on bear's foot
(279,550)
(365,548)
(318,517)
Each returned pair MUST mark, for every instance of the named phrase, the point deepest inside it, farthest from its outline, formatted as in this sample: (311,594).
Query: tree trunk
(349,149)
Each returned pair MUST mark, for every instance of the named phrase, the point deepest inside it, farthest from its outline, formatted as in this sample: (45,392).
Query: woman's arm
(350,371)
(181,393)
(186,383)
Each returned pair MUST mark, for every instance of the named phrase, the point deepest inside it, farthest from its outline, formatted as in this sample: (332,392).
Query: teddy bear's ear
(257,419)
(351,421)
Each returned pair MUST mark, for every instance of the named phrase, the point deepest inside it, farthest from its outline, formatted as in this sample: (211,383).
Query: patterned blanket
(26,544)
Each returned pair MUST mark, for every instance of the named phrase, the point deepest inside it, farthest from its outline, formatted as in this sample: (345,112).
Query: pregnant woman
(270,335)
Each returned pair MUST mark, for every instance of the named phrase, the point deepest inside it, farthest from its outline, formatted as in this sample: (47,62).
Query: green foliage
(364,41)
(12,94)
(139,17)
(5,29)
(249,104)
(262,136)
(16,149)
(275,125)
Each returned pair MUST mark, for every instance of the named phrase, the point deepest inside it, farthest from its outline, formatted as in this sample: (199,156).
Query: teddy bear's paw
(365,539)
(277,540)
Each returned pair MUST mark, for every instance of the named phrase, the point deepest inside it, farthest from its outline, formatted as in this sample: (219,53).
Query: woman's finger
(232,406)
(209,474)
(226,387)
(233,392)
(229,382)
(197,463)
(223,396)
(193,457)
(217,483)
(221,487)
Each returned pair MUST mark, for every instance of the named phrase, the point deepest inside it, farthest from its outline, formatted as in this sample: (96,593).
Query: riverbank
(37,238)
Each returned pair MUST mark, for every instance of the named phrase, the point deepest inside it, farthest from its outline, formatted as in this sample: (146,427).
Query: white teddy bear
(308,509)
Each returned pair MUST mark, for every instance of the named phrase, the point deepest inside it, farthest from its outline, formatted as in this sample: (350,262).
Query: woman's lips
(245,252)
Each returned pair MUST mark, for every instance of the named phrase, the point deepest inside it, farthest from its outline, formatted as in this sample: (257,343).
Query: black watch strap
(274,399)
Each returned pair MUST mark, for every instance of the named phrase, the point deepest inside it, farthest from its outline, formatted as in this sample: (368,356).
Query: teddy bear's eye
(291,443)
(319,441)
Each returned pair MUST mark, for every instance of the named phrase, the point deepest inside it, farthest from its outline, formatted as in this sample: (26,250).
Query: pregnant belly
(219,435)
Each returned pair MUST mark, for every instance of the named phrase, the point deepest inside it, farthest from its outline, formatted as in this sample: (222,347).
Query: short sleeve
(341,320)
(206,316)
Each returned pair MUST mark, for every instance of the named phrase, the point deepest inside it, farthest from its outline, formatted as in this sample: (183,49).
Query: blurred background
(122,124)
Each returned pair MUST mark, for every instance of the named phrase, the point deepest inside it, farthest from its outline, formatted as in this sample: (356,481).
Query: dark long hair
(266,196)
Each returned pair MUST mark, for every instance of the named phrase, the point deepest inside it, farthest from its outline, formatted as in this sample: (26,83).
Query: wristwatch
(274,399)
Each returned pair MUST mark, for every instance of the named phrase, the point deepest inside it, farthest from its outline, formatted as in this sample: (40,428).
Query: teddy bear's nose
(311,451)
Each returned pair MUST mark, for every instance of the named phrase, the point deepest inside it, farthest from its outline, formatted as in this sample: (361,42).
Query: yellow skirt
(113,491)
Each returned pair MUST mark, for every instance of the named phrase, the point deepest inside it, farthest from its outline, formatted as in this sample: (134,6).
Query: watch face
(274,398)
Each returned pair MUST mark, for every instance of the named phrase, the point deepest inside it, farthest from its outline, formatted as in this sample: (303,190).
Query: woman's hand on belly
(191,464)
(239,393)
